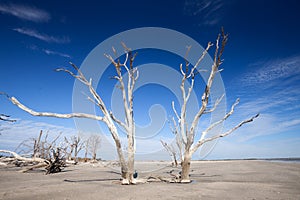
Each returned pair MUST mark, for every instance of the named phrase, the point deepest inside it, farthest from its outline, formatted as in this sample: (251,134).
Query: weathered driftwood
(18,157)
(56,164)
(51,165)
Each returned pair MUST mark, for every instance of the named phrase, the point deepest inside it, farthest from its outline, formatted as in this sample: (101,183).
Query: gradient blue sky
(262,62)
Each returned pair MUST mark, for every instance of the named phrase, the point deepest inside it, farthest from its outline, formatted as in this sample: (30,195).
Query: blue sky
(262,64)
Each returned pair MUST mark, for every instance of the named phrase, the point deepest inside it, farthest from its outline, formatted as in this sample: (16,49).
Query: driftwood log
(52,165)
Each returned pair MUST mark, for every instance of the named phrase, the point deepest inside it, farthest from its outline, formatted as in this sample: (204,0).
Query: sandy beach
(211,180)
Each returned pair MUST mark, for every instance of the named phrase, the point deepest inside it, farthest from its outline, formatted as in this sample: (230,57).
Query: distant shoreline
(263,159)
(288,159)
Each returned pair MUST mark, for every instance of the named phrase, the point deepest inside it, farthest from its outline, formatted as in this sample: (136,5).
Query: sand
(211,180)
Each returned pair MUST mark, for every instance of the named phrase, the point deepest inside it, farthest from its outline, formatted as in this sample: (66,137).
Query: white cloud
(272,89)
(15,133)
(25,12)
(208,10)
(229,149)
(265,72)
(49,52)
(267,124)
(42,36)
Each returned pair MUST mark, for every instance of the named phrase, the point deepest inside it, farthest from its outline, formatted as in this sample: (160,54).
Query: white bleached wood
(127,167)
(187,133)
(18,157)
(48,114)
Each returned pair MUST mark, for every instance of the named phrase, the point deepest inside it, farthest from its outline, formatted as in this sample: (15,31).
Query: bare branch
(182,72)
(91,100)
(173,128)
(218,101)
(186,59)
(174,109)
(206,93)
(201,142)
(190,88)
(137,74)
(111,60)
(48,114)
(221,120)
(171,150)
(125,47)
(83,80)
(118,121)
(200,59)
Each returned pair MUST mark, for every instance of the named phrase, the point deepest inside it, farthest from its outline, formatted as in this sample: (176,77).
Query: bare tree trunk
(131,156)
(86,146)
(121,157)
(186,168)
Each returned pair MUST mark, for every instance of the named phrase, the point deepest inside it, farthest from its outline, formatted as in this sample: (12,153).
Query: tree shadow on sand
(91,180)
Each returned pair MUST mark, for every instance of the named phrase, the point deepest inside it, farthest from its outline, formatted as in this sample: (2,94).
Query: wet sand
(211,180)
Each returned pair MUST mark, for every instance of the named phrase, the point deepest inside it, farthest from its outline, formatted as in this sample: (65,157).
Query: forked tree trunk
(186,168)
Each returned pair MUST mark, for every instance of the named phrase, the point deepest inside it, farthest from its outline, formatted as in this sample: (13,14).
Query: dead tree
(94,142)
(68,149)
(170,148)
(86,149)
(187,132)
(77,145)
(39,147)
(127,166)
(172,152)
(52,165)
(42,154)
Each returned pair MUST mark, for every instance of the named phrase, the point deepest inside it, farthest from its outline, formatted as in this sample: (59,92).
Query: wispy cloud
(208,10)
(25,12)
(267,124)
(265,72)
(42,36)
(279,110)
(49,52)
(272,89)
